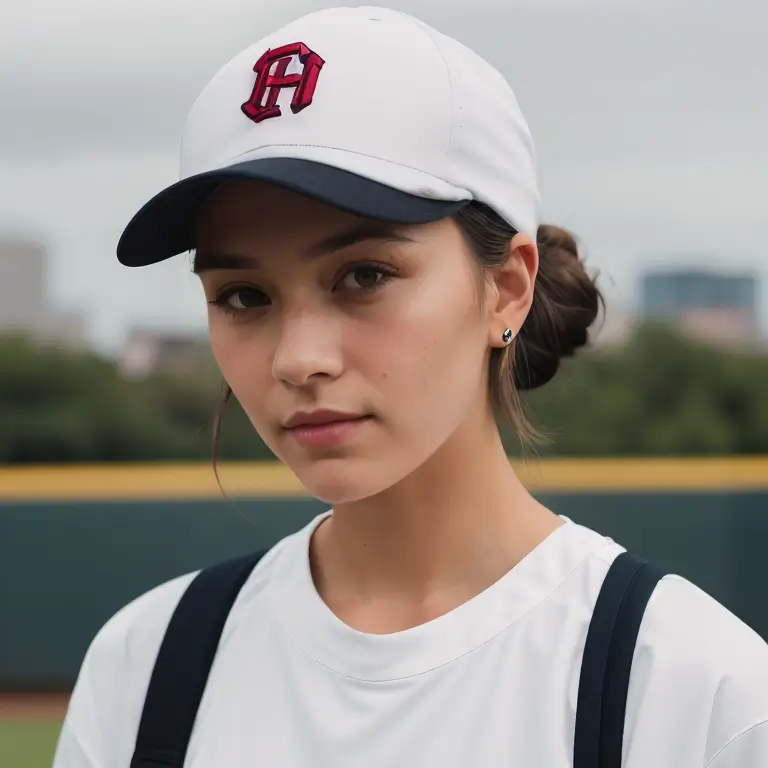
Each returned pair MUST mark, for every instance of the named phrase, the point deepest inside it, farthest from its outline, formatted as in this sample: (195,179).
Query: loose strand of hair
(218,422)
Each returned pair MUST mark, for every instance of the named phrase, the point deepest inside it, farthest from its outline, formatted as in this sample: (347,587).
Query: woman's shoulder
(703,666)
(106,704)
(688,626)
(140,624)
(137,629)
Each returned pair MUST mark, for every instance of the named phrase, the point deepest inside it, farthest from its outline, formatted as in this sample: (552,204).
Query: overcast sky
(650,118)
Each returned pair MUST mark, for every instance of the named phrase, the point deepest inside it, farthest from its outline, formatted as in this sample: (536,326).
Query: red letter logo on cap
(270,72)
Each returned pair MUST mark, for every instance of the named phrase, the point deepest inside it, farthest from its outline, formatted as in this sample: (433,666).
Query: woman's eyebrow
(359,233)
(206,261)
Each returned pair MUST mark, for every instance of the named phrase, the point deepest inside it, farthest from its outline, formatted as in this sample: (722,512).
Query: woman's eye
(363,278)
(245,298)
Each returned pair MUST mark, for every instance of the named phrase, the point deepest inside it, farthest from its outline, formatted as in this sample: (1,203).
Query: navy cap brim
(164,227)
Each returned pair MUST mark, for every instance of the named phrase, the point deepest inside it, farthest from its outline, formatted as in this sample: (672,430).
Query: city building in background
(146,352)
(713,306)
(25,305)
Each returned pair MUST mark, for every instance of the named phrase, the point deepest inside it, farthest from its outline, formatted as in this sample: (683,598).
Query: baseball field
(29,728)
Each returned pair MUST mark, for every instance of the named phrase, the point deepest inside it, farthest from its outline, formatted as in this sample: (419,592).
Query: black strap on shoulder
(184,662)
(607,661)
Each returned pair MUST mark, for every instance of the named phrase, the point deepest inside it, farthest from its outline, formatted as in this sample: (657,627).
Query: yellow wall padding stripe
(158,481)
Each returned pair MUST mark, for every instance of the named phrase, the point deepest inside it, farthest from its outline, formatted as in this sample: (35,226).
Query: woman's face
(317,315)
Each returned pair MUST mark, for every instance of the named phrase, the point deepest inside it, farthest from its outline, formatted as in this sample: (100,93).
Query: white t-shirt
(491,684)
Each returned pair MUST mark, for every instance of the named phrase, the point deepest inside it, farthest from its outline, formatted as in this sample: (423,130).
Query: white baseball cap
(365,109)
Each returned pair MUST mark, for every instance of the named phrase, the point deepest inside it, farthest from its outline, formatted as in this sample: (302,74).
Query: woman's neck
(438,538)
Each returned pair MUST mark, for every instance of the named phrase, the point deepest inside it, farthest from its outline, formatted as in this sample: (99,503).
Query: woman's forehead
(257,203)
(246,214)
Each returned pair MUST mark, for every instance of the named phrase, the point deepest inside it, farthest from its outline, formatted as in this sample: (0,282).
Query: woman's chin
(344,481)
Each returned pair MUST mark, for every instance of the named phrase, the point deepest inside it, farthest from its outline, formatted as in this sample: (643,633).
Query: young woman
(360,196)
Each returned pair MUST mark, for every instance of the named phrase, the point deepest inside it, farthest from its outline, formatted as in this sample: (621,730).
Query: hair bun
(566,302)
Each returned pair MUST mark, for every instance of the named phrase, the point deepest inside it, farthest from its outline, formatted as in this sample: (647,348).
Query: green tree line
(659,394)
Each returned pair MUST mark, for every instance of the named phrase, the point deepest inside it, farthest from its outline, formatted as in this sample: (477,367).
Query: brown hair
(566,302)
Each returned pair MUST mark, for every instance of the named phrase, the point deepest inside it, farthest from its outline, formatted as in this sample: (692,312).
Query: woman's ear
(513,294)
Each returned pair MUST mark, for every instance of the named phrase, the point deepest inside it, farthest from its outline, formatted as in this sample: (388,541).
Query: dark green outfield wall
(66,568)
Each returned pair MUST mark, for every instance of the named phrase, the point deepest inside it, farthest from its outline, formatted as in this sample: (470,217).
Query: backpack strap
(184,662)
(607,661)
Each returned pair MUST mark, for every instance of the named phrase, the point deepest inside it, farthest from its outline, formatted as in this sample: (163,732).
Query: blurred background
(650,131)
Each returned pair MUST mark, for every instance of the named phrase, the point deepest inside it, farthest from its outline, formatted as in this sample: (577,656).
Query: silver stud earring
(506,337)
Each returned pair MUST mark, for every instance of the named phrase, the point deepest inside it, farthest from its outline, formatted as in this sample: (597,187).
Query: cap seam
(425,29)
